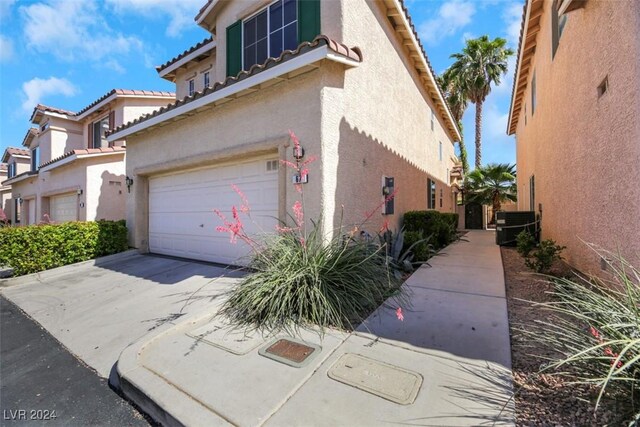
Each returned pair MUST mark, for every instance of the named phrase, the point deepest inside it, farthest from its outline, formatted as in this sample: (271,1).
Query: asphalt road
(41,383)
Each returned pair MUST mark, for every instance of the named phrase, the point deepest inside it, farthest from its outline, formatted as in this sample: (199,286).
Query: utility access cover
(290,351)
(387,381)
(220,335)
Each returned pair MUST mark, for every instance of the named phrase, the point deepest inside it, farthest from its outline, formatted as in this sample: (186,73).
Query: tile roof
(202,9)
(20,175)
(175,59)
(351,53)
(41,107)
(30,133)
(127,92)
(85,152)
(13,151)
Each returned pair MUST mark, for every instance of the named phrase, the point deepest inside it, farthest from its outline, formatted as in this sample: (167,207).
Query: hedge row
(440,228)
(35,248)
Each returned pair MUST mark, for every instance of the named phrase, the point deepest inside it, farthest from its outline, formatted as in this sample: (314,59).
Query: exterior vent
(272,165)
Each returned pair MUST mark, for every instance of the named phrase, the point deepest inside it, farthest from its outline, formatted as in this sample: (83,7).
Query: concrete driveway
(96,309)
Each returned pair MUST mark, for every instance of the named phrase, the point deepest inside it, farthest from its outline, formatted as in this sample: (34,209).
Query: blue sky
(67,53)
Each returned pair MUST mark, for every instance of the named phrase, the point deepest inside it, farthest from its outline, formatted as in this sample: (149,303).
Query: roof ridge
(190,50)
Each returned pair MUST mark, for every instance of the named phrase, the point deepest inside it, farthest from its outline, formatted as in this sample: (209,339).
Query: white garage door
(181,218)
(64,208)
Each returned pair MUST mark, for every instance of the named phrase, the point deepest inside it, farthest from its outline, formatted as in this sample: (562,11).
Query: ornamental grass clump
(300,278)
(595,330)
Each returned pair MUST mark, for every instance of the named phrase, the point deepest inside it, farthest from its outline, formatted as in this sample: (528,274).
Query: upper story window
(533,94)
(11,170)
(98,138)
(192,87)
(558,23)
(431,194)
(35,159)
(206,79)
(44,127)
(269,32)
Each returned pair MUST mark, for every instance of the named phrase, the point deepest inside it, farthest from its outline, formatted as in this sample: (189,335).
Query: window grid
(269,32)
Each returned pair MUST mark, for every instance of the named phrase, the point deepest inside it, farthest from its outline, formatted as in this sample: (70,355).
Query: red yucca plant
(301,278)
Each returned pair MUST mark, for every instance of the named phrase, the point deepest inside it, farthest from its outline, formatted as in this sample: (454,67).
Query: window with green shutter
(282,25)
(308,20)
(234,48)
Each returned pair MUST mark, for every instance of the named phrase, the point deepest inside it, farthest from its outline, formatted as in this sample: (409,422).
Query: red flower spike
(399,314)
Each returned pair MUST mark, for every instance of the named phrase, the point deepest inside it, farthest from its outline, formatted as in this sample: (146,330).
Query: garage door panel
(181,218)
(64,208)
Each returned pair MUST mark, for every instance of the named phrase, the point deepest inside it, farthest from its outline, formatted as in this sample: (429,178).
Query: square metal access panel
(290,351)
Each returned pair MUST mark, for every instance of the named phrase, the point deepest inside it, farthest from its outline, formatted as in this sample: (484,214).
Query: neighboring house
(373,115)
(574,112)
(15,161)
(5,192)
(73,173)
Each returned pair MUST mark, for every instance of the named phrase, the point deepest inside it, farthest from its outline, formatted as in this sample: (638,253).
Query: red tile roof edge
(202,9)
(83,152)
(322,40)
(42,107)
(14,151)
(177,58)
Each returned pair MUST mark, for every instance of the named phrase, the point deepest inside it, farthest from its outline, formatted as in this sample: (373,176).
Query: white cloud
(36,89)
(467,35)
(512,16)
(5,7)
(494,122)
(6,48)
(451,17)
(114,65)
(73,30)
(180,13)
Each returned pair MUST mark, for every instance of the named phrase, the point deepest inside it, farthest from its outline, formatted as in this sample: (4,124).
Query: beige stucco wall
(358,134)
(582,149)
(239,127)
(196,71)
(26,189)
(368,134)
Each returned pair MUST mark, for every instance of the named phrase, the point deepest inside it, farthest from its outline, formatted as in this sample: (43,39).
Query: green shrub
(441,226)
(301,283)
(35,248)
(525,243)
(594,328)
(420,246)
(543,256)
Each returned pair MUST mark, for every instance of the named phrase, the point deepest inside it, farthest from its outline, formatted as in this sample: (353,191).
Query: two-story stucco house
(14,161)
(348,77)
(74,173)
(574,112)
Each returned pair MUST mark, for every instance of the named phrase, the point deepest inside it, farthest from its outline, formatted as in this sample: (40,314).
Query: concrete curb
(151,393)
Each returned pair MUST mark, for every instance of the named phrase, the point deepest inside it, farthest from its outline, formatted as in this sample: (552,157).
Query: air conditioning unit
(510,224)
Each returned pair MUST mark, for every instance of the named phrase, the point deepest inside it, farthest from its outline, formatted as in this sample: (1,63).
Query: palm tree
(458,102)
(481,63)
(492,184)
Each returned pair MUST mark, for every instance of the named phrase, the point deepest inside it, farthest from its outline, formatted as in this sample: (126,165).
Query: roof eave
(166,73)
(296,63)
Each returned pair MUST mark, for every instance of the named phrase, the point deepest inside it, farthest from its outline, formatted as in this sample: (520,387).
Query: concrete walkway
(447,364)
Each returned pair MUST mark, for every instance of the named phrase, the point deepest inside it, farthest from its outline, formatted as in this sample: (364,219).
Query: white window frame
(253,15)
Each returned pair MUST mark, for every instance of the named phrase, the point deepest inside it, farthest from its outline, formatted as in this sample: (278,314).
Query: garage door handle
(201,225)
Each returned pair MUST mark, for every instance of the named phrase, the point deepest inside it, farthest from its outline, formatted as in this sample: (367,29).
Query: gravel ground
(541,399)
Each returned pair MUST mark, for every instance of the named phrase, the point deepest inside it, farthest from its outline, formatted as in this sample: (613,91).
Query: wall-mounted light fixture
(20,200)
(79,191)
(128,182)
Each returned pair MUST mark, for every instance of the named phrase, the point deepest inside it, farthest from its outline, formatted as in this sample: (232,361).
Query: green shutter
(234,48)
(308,20)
